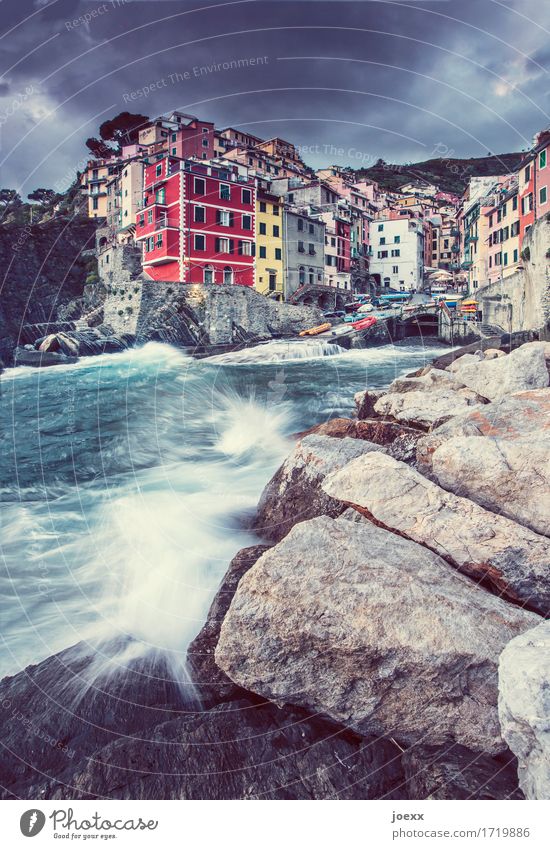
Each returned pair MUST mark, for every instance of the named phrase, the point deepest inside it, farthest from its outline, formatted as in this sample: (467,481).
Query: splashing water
(125,478)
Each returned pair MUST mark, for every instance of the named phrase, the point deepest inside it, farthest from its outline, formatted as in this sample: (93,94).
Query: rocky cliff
(44,266)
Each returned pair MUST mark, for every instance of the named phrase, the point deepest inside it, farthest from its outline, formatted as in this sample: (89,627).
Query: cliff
(43,267)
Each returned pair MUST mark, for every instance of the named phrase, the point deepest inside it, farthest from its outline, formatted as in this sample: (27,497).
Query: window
(311,276)
(95,203)
(224,218)
(141,221)
(245,248)
(199,214)
(205,129)
(263,252)
(311,249)
(543,194)
(208,275)
(527,174)
(278,253)
(301,248)
(396,252)
(382,254)
(397,239)
(223,246)
(205,142)
(504,210)
(302,275)
(200,186)
(505,259)
(228,275)
(542,159)
(263,206)
(272,282)
(200,242)
(275,209)
(225,191)
(515,255)
(174,136)
(300,224)
(159,240)
(395,269)
(514,204)
(276,230)
(490,221)
(333,242)
(247,222)
(160,196)
(150,216)
(159,170)
(263,229)
(311,228)
(150,244)
(291,197)
(247,196)
(490,262)
(382,240)
(380,228)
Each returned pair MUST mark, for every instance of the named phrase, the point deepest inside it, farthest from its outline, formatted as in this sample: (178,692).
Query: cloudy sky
(347,81)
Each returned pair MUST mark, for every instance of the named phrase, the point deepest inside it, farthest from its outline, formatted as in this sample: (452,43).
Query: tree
(45,197)
(9,196)
(99,149)
(123,128)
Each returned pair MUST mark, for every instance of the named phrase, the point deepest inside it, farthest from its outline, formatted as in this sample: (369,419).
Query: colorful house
(269,244)
(197,223)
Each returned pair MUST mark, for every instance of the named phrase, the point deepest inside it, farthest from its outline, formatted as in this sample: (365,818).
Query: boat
(364,323)
(313,331)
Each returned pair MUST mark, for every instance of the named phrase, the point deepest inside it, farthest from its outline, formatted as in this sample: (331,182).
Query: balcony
(166,252)
(455,248)
(455,231)
(467,264)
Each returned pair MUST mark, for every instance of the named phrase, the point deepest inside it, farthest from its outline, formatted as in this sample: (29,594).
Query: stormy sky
(348,82)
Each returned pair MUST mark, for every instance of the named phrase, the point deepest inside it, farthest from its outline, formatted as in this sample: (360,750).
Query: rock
(212,685)
(518,415)
(239,750)
(493,354)
(373,631)
(422,409)
(39,359)
(365,401)
(523,369)
(524,707)
(488,547)
(49,343)
(400,441)
(66,708)
(294,493)
(453,772)
(431,379)
(67,345)
(464,360)
(511,477)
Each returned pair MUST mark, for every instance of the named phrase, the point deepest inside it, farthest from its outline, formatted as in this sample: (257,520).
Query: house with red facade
(197,224)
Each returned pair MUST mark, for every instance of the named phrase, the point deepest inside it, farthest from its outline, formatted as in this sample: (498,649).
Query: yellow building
(269,245)
(94,183)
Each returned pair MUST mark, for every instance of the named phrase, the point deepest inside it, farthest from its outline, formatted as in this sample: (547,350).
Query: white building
(397,253)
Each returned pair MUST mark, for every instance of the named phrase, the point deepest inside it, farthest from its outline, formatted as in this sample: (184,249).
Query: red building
(197,223)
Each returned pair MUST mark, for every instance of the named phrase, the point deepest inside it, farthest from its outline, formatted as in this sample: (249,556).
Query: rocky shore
(387,637)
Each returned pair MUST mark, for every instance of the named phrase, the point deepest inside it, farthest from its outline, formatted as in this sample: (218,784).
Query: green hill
(451,175)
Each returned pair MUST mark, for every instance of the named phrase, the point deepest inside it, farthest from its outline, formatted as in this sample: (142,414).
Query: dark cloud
(349,81)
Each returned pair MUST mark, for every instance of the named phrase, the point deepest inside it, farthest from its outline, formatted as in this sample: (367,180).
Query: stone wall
(522,301)
(194,315)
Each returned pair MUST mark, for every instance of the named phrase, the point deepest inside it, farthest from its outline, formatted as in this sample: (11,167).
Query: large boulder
(295,494)
(365,401)
(213,685)
(521,414)
(373,631)
(399,440)
(523,369)
(432,379)
(239,750)
(453,772)
(508,476)
(488,547)
(41,359)
(425,408)
(524,707)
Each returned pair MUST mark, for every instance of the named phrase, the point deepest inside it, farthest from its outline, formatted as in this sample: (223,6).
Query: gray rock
(295,494)
(41,359)
(507,476)
(365,401)
(464,360)
(523,369)
(488,547)
(212,685)
(373,631)
(423,408)
(524,707)
(433,378)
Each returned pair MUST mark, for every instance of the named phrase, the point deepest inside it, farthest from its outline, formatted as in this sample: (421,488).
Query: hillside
(451,175)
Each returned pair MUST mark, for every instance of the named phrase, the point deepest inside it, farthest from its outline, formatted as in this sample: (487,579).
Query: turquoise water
(125,479)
